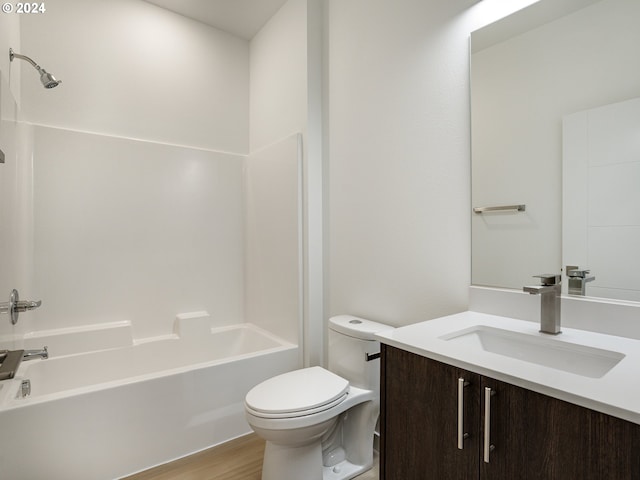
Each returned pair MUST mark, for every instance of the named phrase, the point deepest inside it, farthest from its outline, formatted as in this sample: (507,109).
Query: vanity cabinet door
(537,437)
(419,421)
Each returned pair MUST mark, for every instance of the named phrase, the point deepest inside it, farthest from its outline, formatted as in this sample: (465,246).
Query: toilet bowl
(319,424)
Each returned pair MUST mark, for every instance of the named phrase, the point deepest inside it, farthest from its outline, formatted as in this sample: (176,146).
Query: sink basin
(578,359)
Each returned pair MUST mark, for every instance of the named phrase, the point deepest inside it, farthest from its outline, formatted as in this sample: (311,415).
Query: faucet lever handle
(549,278)
(15,306)
(23,306)
(575,273)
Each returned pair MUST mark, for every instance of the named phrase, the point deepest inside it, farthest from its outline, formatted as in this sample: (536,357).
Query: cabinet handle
(461,434)
(488,448)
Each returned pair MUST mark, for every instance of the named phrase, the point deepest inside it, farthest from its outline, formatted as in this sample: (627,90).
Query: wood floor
(239,459)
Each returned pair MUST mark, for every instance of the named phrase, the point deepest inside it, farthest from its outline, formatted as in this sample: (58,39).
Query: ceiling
(243,18)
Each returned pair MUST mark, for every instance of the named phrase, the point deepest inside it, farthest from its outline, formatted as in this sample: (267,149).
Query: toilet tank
(351,341)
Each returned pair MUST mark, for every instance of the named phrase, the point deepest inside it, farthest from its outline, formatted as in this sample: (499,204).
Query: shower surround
(170,285)
(140,231)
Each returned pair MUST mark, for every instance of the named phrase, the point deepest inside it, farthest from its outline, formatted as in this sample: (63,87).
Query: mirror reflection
(556,127)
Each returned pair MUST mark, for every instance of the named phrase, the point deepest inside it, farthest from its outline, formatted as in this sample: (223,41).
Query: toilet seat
(296,394)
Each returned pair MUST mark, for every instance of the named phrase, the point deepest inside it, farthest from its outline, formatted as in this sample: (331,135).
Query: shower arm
(13,55)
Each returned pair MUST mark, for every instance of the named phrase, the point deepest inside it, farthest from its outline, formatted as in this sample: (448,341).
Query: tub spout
(31,354)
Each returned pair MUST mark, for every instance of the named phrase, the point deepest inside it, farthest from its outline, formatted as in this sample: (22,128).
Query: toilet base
(345,470)
(292,463)
(304,463)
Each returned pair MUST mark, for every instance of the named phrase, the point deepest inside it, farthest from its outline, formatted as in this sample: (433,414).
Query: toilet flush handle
(371,356)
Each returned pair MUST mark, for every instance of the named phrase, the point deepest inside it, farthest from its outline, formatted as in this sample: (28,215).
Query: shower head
(48,80)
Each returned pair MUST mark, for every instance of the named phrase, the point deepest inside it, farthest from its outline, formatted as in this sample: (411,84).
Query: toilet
(319,424)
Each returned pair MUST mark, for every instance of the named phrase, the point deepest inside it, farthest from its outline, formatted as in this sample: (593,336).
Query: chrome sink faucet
(549,291)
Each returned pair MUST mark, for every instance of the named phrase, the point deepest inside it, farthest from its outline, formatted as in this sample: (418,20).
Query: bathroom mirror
(541,79)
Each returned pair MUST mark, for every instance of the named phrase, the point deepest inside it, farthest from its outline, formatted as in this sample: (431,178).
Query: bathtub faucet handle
(15,306)
(25,305)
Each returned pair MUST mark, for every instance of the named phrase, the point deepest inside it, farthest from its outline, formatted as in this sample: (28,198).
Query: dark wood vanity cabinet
(533,436)
(418,436)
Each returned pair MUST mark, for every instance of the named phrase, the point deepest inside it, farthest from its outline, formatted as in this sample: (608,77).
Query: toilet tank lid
(357,327)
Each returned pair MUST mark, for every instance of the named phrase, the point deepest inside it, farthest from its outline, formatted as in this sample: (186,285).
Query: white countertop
(616,393)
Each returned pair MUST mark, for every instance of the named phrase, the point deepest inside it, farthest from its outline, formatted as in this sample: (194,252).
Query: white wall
(132,69)
(10,171)
(399,158)
(286,70)
(278,84)
(397,74)
(10,38)
(9,194)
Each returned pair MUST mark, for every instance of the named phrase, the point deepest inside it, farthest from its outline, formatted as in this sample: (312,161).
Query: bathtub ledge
(81,339)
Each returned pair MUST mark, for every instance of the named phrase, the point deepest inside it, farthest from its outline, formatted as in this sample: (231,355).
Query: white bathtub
(108,413)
